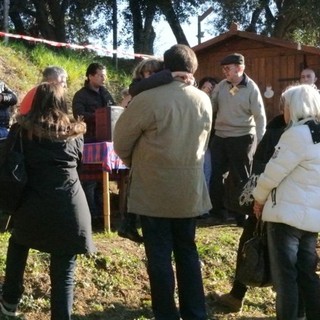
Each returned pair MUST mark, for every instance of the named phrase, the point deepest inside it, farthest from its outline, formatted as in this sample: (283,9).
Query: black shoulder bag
(253,269)
(13,176)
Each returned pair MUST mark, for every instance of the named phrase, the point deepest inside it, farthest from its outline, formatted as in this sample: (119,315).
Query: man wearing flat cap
(235,58)
(240,122)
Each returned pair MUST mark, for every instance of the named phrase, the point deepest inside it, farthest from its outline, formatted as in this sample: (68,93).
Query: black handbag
(253,268)
(239,197)
(13,176)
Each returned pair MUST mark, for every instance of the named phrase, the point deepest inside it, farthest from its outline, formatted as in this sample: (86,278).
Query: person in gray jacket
(240,122)
(162,137)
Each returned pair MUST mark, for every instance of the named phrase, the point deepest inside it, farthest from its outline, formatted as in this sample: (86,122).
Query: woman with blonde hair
(287,197)
(54,216)
(151,73)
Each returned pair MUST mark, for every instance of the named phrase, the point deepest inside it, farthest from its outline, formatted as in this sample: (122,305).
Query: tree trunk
(285,20)
(168,11)
(6,5)
(58,12)
(42,19)
(14,13)
(54,28)
(148,34)
(143,34)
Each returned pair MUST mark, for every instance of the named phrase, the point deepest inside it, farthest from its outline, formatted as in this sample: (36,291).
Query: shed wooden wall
(266,64)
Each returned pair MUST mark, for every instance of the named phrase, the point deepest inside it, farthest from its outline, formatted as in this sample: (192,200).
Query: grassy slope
(21,68)
(113,284)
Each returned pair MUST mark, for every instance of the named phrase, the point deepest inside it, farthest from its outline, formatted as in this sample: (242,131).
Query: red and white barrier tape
(75,46)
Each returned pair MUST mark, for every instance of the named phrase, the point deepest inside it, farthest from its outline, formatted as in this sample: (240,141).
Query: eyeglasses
(228,67)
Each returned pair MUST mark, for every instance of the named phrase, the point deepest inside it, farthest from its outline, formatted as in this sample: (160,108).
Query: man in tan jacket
(162,137)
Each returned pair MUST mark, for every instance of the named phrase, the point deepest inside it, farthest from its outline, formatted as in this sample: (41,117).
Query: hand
(257,209)
(207,88)
(187,77)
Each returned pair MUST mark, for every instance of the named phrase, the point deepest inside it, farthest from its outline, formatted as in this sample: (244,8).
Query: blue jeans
(61,274)
(293,260)
(207,167)
(162,237)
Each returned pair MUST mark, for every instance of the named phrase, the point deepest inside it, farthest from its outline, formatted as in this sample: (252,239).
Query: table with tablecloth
(101,163)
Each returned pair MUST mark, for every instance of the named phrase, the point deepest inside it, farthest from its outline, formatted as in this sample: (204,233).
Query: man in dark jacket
(91,96)
(7,99)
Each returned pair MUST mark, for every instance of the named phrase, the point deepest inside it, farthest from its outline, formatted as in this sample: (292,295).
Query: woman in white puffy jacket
(288,198)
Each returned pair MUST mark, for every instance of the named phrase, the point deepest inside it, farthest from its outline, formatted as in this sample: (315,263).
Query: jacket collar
(243,82)
(314,128)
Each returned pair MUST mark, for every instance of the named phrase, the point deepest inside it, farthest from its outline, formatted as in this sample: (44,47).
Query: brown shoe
(231,302)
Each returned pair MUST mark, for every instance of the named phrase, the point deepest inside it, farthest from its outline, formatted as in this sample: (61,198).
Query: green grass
(113,284)
(21,67)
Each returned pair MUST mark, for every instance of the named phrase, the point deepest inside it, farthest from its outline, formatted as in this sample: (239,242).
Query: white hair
(52,73)
(303,103)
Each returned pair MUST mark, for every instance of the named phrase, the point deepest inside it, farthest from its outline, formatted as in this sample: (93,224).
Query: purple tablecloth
(104,153)
(99,156)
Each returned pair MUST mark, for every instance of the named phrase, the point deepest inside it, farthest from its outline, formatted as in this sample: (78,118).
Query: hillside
(17,70)
(21,66)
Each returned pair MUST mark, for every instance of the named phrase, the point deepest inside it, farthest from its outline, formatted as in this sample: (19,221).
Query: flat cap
(235,58)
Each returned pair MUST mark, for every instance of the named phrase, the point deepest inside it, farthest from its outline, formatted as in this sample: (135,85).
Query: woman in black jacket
(54,216)
(234,299)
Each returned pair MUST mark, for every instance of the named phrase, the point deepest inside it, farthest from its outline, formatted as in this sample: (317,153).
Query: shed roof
(234,33)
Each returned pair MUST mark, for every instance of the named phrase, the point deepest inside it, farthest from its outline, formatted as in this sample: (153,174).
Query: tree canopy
(83,20)
(297,20)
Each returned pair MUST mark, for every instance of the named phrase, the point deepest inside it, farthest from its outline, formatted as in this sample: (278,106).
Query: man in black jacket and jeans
(91,96)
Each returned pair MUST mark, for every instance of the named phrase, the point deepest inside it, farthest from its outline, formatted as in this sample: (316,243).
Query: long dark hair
(48,116)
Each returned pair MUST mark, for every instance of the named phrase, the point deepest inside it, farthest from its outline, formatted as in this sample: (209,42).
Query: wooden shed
(270,62)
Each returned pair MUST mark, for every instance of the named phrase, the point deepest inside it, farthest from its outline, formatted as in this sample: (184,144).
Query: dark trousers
(61,274)
(130,220)
(162,237)
(2,145)
(93,192)
(233,155)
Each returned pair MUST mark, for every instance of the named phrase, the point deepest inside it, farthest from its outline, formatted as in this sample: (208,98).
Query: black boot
(128,228)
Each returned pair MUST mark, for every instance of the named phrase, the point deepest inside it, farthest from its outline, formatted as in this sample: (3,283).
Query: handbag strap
(259,227)
(14,139)
(21,142)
